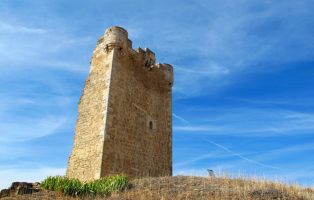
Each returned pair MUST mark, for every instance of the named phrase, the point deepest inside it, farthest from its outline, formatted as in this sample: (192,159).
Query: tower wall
(86,157)
(124,123)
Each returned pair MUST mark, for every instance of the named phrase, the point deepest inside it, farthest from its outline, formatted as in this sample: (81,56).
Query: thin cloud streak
(180,118)
(29,129)
(6,27)
(23,47)
(197,128)
(240,156)
(277,101)
(252,122)
(206,156)
(230,37)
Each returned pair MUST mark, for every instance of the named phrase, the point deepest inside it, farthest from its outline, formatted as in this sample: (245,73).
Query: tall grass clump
(73,187)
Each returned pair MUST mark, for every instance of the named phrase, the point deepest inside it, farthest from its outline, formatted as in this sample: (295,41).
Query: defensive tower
(124,120)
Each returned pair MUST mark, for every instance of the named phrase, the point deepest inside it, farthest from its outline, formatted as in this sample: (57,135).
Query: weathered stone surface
(124,120)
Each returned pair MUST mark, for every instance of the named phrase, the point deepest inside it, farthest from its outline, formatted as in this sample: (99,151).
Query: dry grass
(199,188)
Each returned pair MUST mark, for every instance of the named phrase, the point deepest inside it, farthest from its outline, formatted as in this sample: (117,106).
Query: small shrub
(73,187)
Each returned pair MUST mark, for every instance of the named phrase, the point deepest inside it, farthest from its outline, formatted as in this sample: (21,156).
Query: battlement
(116,37)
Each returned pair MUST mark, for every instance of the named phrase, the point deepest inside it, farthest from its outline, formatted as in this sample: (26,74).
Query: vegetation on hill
(74,187)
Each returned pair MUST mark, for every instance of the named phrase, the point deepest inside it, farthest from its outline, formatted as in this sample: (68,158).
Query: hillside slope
(193,188)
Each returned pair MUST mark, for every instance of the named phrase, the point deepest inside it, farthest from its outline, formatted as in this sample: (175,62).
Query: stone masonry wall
(138,96)
(86,157)
(124,123)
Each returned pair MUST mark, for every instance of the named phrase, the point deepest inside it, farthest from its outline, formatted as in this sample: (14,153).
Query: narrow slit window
(151,125)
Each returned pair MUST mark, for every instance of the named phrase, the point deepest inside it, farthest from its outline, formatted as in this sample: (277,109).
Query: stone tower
(124,120)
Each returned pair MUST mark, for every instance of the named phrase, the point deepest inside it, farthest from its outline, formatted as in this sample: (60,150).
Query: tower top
(117,29)
(116,36)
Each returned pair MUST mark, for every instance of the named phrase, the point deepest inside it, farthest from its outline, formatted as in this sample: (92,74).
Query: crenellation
(117,37)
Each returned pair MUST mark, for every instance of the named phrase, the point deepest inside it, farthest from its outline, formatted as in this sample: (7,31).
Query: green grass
(74,187)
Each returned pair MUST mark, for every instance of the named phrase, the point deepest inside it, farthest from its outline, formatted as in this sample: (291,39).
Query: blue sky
(243,100)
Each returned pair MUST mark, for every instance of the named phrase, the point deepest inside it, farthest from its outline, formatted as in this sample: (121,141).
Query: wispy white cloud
(275,153)
(16,28)
(277,101)
(180,118)
(30,128)
(207,56)
(241,156)
(29,113)
(23,47)
(212,70)
(214,154)
(250,122)
(196,128)
(265,163)
(194,80)
(218,46)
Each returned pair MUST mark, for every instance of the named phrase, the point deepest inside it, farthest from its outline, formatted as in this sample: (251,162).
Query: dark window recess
(151,125)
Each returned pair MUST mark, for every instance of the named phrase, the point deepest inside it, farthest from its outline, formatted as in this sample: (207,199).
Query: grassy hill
(192,188)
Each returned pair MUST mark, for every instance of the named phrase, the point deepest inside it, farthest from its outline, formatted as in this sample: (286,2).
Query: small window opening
(150,125)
